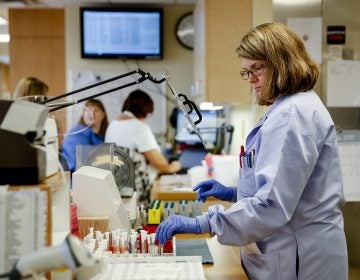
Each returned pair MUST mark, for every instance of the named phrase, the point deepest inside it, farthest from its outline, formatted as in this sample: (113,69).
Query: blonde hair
(289,67)
(30,86)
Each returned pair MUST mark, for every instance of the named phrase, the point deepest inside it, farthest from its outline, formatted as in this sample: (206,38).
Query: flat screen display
(208,127)
(121,33)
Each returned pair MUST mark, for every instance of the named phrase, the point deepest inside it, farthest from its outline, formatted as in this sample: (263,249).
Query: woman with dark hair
(129,130)
(89,131)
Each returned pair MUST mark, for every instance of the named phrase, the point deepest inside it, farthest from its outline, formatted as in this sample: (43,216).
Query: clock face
(185,31)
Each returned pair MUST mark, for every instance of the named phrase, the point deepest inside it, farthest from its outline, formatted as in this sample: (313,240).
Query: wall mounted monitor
(124,33)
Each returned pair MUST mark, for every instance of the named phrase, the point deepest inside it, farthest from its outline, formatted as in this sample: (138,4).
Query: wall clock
(184,30)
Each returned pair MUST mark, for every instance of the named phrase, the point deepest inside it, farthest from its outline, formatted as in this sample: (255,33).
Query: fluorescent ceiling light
(4,38)
(209,106)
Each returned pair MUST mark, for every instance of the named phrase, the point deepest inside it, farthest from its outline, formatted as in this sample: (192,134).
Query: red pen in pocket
(242,154)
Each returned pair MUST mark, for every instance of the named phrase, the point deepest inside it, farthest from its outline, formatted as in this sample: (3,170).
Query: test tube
(91,232)
(143,216)
(148,243)
(154,250)
(143,234)
(99,236)
(174,245)
(133,238)
(122,245)
(111,246)
(116,242)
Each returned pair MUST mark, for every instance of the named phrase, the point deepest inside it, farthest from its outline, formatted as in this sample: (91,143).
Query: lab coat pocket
(262,266)
(247,182)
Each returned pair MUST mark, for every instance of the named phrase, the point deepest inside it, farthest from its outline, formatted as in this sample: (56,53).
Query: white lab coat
(289,201)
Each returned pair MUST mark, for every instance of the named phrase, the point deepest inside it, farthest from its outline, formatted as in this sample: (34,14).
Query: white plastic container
(226,169)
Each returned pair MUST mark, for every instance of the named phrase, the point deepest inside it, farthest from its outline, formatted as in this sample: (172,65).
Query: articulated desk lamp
(185,105)
(23,161)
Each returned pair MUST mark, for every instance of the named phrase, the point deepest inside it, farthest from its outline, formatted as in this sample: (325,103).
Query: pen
(249,159)
(253,156)
(242,154)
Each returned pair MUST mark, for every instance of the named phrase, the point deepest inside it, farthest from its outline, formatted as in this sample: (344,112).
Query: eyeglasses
(255,70)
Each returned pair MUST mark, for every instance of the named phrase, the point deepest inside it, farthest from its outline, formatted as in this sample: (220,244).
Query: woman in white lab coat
(287,204)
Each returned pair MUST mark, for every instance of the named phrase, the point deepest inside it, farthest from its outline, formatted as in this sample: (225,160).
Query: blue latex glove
(176,224)
(213,188)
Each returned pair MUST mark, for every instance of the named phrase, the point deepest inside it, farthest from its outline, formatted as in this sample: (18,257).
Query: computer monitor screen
(208,127)
(121,32)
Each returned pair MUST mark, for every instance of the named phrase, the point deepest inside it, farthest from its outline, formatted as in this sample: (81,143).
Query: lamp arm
(143,76)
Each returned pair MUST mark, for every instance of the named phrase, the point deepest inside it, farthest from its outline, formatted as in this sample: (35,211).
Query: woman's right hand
(213,188)
(175,166)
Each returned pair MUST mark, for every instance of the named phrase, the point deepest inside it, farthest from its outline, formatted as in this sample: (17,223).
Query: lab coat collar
(268,112)
(263,119)
(275,104)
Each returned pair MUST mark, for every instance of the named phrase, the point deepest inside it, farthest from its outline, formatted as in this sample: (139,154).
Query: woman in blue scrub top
(288,200)
(89,131)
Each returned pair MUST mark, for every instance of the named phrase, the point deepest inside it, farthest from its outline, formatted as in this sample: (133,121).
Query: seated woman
(129,130)
(89,131)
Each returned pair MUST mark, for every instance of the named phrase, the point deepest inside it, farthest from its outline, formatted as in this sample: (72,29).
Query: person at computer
(286,210)
(89,131)
(130,131)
